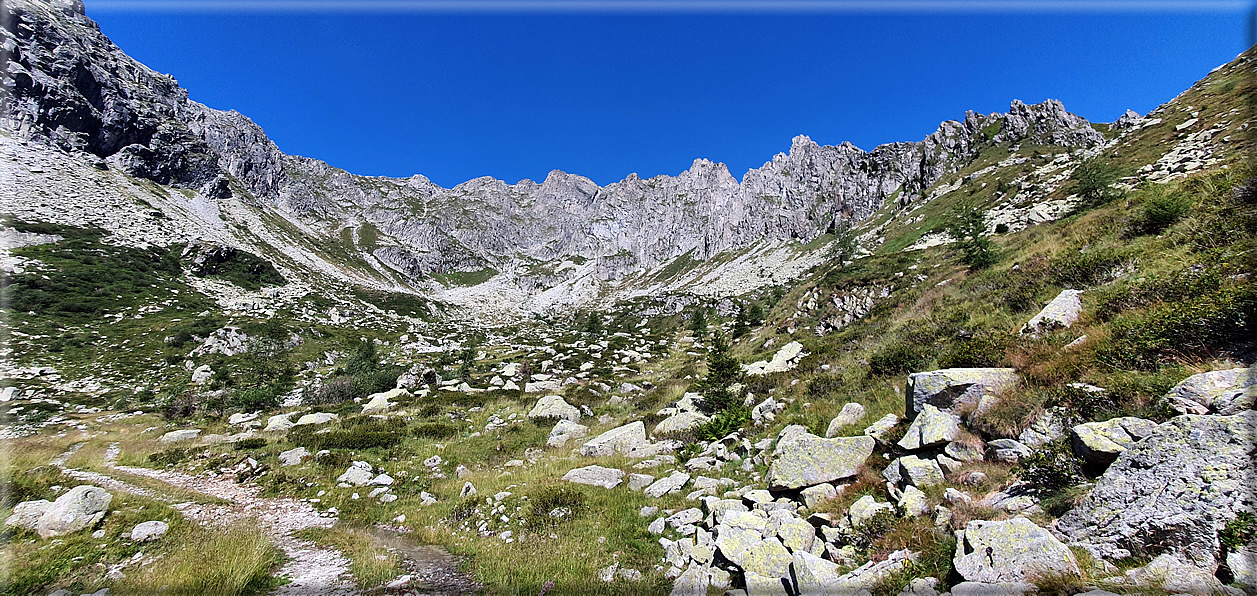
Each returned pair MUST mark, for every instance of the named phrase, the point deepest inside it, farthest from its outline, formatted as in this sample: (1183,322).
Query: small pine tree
(1093,181)
(967,225)
(844,245)
(741,323)
(364,360)
(593,324)
(698,323)
(722,370)
(755,314)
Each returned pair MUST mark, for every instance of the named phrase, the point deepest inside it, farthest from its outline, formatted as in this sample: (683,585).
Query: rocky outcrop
(1013,550)
(1171,492)
(808,460)
(951,387)
(1099,443)
(1223,392)
(1061,312)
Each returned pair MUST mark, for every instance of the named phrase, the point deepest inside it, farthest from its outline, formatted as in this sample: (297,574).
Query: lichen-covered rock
(595,476)
(1061,312)
(668,484)
(785,359)
(622,440)
(565,431)
(850,414)
(932,427)
(1225,392)
(866,508)
(1099,443)
(1012,550)
(176,436)
(278,423)
(881,427)
(950,387)
(679,422)
(913,470)
(813,576)
(378,403)
(768,558)
(809,460)
(78,509)
(1181,484)
(554,406)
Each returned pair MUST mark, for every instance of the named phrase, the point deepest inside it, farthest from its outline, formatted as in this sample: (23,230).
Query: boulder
(760,585)
(809,460)
(293,457)
(794,533)
(679,422)
(595,476)
(315,418)
(278,423)
(931,428)
(27,513)
(915,471)
(913,502)
(1182,484)
(565,431)
(965,452)
(1012,550)
(1046,428)
(1008,450)
(865,509)
(242,418)
(850,414)
(668,484)
(814,576)
(785,359)
(149,530)
(78,509)
(1060,313)
(358,474)
(378,403)
(768,558)
(1099,443)
(864,578)
(951,387)
(815,495)
(622,440)
(1226,392)
(1171,574)
(878,429)
(176,436)
(554,406)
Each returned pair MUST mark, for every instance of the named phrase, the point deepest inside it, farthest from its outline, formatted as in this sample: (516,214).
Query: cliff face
(68,86)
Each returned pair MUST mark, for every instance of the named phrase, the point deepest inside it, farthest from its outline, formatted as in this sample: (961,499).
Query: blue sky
(514,95)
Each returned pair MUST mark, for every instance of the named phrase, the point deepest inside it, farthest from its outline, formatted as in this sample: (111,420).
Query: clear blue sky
(456,96)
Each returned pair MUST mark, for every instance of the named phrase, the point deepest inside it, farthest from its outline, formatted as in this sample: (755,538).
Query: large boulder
(1012,550)
(278,423)
(27,513)
(595,476)
(378,403)
(785,359)
(176,436)
(931,428)
(951,387)
(814,576)
(1225,392)
(679,422)
(554,406)
(1099,443)
(1181,484)
(622,440)
(807,460)
(1061,312)
(78,509)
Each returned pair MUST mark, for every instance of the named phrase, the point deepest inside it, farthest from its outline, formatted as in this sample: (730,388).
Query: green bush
(1198,328)
(898,358)
(435,430)
(1085,268)
(169,457)
(353,434)
(863,535)
(239,267)
(976,350)
(250,444)
(966,223)
(1052,468)
(1161,210)
(723,370)
(553,506)
(1239,532)
(1094,181)
(723,423)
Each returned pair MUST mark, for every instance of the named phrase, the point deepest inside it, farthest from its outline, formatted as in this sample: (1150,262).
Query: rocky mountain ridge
(72,89)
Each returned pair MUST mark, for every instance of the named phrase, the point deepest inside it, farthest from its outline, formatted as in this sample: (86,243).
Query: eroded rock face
(1012,550)
(1171,492)
(808,460)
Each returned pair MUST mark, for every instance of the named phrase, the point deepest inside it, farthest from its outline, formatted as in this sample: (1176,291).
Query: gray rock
(679,422)
(992,589)
(1060,313)
(915,471)
(1012,550)
(882,426)
(293,457)
(685,517)
(932,427)
(865,509)
(623,440)
(1243,565)
(921,586)
(768,558)
(469,490)
(565,431)
(176,436)
(80,508)
(595,476)
(913,502)
(851,413)
(668,484)
(810,460)
(1172,574)
(278,423)
(760,585)
(1182,484)
(1046,428)
(637,482)
(864,578)
(814,576)
(378,403)
(27,513)
(1008,450)
(149,530)
(951,387)
(554,406)
(1226,392)
(814,495)
(315,418)
(358,474)
(1099,443)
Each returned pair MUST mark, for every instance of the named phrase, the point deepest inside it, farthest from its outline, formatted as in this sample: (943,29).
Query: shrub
(900,357)
(250,444)
(169,457)
(1052,468)
(1084,268)
(434,430)
(976,350)
(723,423)
(1239,532)
(463,510)
(1161,210)
(333,391)
(722,370)
(1093,182)
(863,535)
(1198,328)
(967,225)
(553,506)
(369,434)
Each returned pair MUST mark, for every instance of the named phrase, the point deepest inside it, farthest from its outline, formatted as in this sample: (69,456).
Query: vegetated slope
(1156,227)
(72,89)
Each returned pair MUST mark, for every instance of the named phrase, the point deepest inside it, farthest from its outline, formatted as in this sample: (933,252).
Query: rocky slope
(71,89)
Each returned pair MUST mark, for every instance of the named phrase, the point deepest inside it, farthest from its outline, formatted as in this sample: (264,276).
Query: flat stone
(622,440)
(595,476)
(565,431)
(668,484)
(293,457)
(1099,443)
(149,530)
(680,422)
(1012,550)
(278,423)
(637,482)
(176,436)
(315,418)
(851,413)
(810,460)
(1225,392)
(555,407)
(951,387)
(1062,312)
